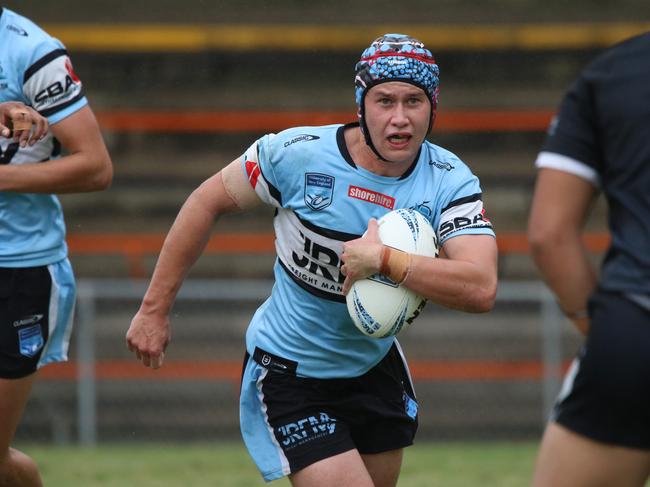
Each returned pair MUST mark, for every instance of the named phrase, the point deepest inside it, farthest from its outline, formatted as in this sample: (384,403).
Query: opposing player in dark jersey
(320,401)
(599,433)
(37,288)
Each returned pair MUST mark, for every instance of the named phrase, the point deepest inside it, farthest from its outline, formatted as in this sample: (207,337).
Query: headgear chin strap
(395,57)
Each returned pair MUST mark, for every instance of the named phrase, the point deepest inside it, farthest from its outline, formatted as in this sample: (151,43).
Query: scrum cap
(397,57)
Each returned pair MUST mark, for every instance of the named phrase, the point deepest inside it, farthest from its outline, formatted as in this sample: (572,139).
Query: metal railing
(92,290)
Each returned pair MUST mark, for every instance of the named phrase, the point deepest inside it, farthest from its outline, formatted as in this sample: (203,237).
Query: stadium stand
(178,95)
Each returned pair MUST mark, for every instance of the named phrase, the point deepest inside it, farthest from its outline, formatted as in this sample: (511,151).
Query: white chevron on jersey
(40,151)
(309,256)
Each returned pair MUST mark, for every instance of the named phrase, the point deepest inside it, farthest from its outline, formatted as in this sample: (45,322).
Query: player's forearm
(457,284)
(184,244)
(565,266)
(79,172)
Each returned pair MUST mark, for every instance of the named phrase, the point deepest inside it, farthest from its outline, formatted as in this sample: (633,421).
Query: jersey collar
(343,148)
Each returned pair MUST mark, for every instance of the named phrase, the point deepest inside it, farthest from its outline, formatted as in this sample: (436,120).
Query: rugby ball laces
(378,306)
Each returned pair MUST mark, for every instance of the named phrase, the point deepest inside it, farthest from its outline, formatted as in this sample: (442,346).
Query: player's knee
(18,469)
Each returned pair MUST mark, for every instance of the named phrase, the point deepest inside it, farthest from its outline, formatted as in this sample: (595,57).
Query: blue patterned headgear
(397,57)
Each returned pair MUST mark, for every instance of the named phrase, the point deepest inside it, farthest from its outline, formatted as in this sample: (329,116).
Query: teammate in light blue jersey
(320,401)
(37,288)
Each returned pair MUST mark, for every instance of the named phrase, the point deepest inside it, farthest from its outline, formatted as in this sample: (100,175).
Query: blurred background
(182,88)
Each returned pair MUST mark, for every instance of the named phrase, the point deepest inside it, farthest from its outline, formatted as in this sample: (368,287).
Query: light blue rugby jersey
(323,199)
(34,69)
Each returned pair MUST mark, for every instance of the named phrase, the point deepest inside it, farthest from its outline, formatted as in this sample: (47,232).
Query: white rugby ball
(378,306)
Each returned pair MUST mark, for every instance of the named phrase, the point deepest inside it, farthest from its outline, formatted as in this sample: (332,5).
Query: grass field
(228,465)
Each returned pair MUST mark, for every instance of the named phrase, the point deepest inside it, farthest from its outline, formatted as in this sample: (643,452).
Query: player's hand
(361,257)
(24,124)
(148,337)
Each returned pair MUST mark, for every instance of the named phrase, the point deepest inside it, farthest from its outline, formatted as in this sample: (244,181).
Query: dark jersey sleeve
(573,132)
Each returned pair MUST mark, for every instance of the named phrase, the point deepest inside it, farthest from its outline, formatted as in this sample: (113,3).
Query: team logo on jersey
(319,190)
(370,196)
(301,138)
(410,406)
(30,340)
(424,209)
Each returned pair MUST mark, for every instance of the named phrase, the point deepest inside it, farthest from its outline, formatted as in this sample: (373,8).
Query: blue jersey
(34,69)
(324,199)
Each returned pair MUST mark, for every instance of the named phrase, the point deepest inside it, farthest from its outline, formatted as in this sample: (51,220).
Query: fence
(493,376)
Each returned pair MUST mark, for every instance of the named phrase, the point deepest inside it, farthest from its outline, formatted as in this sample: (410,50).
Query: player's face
(397,117)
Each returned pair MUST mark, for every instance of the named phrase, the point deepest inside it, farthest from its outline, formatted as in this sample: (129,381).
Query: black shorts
(606,393)
(24,319)
(290,422)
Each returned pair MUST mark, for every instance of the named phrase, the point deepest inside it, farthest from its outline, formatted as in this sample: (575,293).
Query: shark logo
(424,209)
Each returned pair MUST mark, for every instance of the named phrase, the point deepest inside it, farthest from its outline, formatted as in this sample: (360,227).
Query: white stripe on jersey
(569,379)
(461,217)
(406,367)
(41,151)
(53,313)
(61,313)
(310,257)
(284,462)
(552,160)
(54,84)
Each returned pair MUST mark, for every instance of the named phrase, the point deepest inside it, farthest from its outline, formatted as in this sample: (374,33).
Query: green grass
(228,465)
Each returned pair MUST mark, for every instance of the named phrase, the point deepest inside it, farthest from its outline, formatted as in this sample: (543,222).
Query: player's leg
(384,468)
(350,469)
(36,306)
(290,428)
(313,429)
(567,459)
(389,420)
(343,470)
(16,468)
(600,428)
